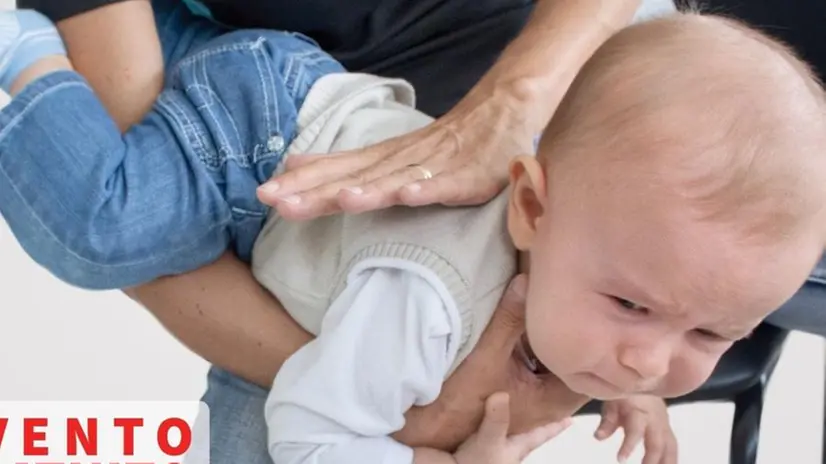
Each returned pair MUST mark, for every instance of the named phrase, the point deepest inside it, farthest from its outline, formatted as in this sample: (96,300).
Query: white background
(59,343)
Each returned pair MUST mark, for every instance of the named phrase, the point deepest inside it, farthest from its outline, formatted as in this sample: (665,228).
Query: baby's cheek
(559,345)
(687,375)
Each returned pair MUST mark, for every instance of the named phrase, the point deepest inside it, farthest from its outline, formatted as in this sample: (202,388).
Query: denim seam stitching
(190,131)
(202,82)
(190,244)
(246,45)
(226,148)
(13,123)
(267,87)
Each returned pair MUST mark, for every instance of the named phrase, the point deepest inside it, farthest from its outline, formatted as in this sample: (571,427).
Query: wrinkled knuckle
(356,178)
(511,320)
(642,412)
(297,175)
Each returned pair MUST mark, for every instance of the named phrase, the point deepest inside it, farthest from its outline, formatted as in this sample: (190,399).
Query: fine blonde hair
(708,109)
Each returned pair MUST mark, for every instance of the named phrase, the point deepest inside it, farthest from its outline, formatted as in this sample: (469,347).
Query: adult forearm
(537,68)
(221,313)
(116,48)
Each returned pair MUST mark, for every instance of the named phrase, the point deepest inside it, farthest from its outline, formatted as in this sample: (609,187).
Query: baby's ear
(527,201)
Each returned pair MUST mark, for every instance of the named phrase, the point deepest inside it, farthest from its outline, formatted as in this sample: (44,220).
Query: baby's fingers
(634,429)
(526,442)
(660,447)
(610,421)
(654,447)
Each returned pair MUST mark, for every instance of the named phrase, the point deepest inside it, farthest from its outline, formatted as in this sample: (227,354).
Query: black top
(444,46)
(441,46)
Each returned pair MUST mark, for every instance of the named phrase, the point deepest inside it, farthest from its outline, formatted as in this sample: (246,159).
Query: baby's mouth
(529,359)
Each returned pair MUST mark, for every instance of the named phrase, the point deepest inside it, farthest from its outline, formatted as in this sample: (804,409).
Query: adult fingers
(527,442)
(494,426)
(293,186)
(471,184)
(508,322)
(383,191)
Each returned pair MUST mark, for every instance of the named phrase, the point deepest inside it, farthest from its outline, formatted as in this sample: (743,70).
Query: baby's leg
(30,47)
(96,208)
(103,210)
(38,69)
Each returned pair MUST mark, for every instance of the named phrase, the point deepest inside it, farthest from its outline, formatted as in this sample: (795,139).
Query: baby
(675,200)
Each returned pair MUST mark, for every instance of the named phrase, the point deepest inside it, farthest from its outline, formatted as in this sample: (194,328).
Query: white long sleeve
(385,345)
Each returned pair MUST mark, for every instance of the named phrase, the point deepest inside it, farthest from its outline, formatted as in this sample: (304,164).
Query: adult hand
(462,158)
(492,366)
(466,152)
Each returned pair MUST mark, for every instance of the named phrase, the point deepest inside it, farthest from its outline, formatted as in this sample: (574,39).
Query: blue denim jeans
(102,210)
(105,210)
(238,432)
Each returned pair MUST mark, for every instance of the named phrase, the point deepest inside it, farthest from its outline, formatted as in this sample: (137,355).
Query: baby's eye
(631,306)
(716,337)
(705,333)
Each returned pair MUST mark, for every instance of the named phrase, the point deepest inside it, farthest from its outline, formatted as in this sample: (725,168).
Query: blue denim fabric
(103,210)
(238,432)
(74,191)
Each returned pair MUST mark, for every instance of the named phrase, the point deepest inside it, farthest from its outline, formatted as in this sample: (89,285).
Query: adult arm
(468,149)
(116,48)
(219,311)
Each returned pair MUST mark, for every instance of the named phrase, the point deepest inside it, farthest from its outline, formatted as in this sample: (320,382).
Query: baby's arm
(385,345)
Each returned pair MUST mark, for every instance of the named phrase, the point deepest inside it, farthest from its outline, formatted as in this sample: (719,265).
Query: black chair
(741,377)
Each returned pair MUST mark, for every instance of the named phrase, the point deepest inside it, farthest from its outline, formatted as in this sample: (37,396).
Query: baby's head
(676,200)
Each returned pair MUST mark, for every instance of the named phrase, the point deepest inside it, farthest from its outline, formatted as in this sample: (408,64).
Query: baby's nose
(649,363)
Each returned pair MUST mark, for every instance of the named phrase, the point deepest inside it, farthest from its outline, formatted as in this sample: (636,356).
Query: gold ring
(425,172)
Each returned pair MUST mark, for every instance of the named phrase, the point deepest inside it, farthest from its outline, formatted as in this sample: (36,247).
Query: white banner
(104,432)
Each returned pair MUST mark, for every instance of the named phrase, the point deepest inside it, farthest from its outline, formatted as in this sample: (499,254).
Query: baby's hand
(640,416)
(491,443)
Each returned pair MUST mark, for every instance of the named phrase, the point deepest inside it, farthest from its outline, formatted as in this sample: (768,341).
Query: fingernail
(354,190)
(270,187)
(519,286)
(413,187)
(292,199)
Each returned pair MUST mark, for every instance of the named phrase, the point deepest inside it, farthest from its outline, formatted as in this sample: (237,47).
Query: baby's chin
(595,387)
(602,390)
